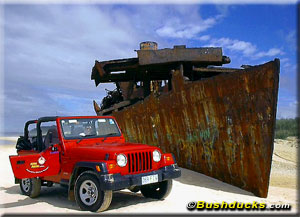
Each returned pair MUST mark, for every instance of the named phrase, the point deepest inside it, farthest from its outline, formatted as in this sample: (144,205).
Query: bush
(286,127)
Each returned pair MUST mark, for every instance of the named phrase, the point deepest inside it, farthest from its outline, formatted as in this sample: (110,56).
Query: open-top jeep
(90,156)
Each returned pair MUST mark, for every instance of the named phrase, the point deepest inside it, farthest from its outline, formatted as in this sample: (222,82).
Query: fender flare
(79,168)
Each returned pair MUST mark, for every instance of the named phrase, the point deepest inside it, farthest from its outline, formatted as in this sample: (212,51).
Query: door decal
(42,164)
(37,171)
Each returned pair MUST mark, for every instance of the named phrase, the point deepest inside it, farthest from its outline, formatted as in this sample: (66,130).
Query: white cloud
(176,29)
(270,53)
(204,38)
(49,54)
(50,50)
(246,48)
(187,24)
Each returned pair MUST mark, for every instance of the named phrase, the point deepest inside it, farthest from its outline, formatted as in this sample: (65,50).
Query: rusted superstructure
(215,120)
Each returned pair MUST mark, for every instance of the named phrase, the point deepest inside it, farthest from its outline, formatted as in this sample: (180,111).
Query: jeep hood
(96,151)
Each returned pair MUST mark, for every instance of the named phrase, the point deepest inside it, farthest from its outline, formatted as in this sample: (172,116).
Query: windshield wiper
(85,136)
(107,135)
(110,134)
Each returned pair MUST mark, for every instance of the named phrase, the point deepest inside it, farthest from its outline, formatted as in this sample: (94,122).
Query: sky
(49,49)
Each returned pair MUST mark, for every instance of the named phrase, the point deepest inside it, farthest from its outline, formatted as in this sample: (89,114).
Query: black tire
(49,184)
(135,189)
(31,187)
(88,195)
(157,190)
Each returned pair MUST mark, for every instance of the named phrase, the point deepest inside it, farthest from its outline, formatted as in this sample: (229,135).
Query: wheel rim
(88,192)
(26,184)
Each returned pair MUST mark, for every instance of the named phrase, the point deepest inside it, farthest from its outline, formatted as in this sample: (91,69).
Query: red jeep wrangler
(90,156)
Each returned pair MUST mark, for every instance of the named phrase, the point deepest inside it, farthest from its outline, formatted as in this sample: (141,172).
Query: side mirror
(54,148)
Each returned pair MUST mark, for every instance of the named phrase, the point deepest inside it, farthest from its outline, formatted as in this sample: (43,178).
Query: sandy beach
(191,186)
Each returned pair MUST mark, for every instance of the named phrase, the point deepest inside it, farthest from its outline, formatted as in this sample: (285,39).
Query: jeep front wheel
(157,190)
(88,194)
(31,187)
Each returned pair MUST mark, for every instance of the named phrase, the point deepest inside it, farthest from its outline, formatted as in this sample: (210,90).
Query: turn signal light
(98,168)
(111,166)
(168,159)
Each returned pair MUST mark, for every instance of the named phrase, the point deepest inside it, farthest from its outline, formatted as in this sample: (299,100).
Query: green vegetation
(286,127)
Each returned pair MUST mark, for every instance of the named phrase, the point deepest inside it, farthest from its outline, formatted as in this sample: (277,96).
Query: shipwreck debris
(215,120)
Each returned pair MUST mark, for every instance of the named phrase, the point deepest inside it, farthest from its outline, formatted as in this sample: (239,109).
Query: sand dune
(191,186)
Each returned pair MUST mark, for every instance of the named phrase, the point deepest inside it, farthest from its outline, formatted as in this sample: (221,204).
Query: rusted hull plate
(222,127)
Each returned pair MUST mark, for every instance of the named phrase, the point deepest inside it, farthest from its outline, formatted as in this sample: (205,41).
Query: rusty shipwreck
(215,120)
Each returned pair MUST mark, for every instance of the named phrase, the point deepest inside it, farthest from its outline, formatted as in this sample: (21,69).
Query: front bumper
(118,182)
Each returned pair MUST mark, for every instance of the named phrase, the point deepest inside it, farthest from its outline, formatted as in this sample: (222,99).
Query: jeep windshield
(80,128)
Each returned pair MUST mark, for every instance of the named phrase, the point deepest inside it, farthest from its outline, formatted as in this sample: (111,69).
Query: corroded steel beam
(103,69)
(222,126)
(156,63)
(207,55)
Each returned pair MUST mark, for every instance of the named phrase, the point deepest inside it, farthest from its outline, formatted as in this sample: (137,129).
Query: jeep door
(45,163)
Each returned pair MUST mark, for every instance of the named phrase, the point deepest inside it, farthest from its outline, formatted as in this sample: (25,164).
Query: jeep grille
(139,161)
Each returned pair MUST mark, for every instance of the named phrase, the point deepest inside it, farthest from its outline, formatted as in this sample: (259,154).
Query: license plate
(149,179)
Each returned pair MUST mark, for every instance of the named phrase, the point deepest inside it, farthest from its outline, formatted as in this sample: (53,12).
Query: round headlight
(121,160)
(156,156)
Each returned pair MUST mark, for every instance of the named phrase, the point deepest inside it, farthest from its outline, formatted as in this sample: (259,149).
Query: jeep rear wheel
(88,194)
(157,190)
(31,187)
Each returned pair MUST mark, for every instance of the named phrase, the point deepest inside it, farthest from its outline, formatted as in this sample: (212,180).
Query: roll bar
(40,143)
(26,128)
